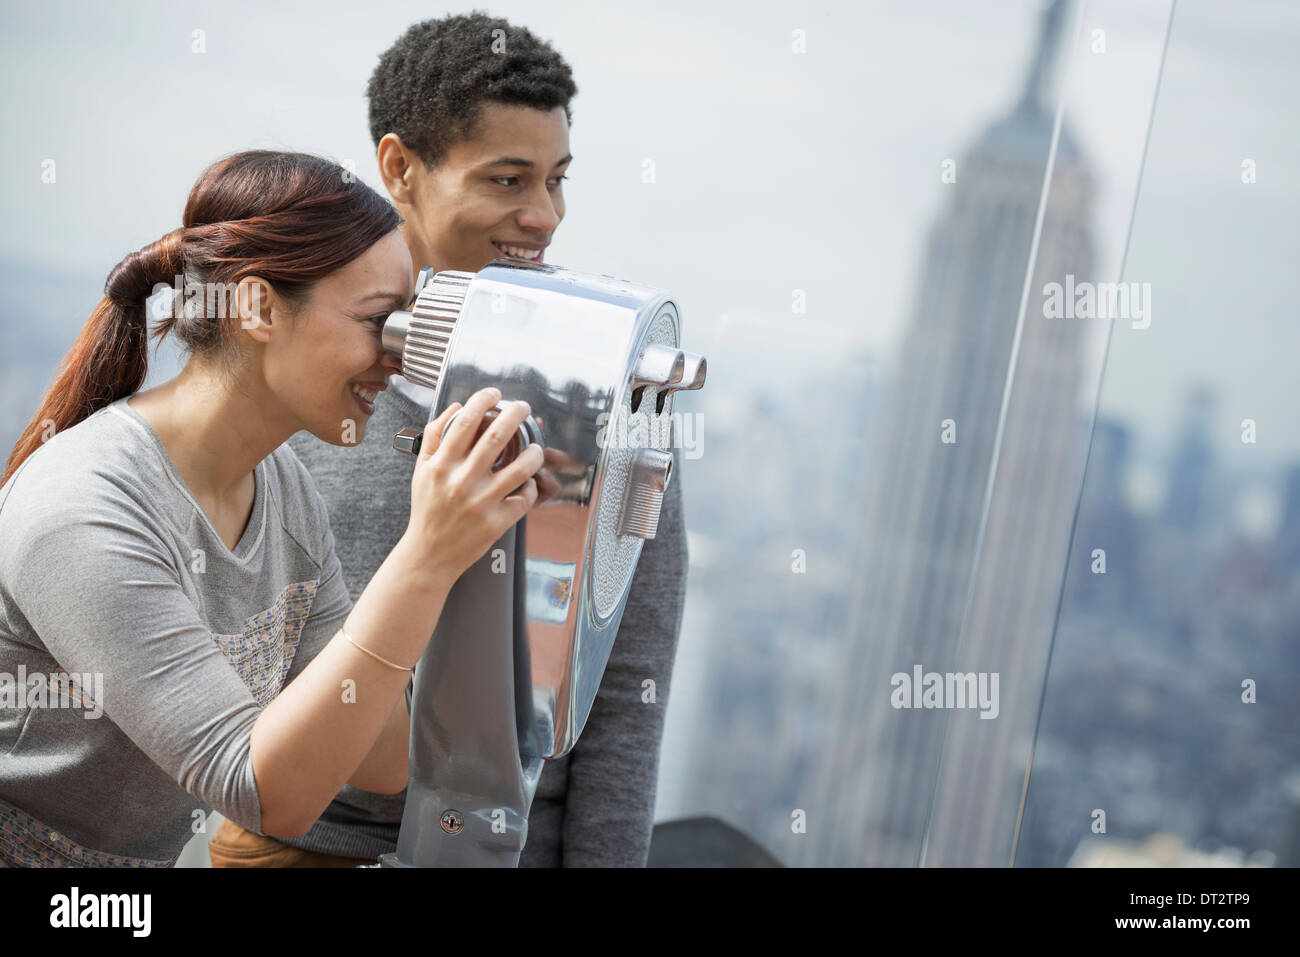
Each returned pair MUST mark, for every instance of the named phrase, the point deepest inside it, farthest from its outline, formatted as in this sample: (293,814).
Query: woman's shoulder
(91,486)
(103,459)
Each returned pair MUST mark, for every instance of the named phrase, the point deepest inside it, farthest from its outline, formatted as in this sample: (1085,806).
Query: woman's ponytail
(110,358)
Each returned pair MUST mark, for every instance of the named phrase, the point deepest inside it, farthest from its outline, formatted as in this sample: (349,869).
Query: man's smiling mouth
(526,253)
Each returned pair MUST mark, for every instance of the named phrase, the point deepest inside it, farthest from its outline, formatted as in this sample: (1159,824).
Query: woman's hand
(459,506)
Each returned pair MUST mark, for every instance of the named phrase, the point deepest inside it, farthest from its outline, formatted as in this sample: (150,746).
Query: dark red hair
(289,218)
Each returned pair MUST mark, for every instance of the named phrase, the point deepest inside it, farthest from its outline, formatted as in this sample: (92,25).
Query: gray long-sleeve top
(112,573)
(595,805)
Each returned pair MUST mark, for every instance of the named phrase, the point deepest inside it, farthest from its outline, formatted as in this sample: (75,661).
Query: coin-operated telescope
(512,670)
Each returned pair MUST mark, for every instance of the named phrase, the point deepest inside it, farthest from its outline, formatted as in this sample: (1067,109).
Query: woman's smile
(365,394)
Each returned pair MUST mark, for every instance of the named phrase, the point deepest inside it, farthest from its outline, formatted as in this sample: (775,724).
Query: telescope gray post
(579,349)
(472,781)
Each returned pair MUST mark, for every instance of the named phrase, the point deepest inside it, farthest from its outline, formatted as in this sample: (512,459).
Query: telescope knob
(409,440)
(652,469)
(529,433)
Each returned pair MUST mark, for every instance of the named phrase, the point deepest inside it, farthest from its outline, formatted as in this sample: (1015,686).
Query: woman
(175,634)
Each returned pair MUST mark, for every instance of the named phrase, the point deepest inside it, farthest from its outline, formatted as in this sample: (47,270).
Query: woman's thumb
(433,431)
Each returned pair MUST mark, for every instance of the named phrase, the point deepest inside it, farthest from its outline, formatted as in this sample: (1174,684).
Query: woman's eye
(558,180)
(506,180)
(378,322)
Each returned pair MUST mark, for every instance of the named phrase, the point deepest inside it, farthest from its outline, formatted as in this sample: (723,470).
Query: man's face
(497,194)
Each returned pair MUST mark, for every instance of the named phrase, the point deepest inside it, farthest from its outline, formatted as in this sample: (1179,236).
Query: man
(470,117)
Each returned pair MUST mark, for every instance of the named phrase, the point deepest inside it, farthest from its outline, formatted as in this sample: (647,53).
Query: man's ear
(254,307)
(397,168)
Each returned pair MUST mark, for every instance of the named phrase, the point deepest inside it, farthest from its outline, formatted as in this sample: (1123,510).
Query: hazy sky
(774,170)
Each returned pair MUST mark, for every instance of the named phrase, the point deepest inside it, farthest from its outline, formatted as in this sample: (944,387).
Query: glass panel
(845,555)
(1070,307)
(1168,727)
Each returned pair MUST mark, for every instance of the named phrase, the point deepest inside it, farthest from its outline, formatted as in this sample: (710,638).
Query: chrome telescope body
(511,673)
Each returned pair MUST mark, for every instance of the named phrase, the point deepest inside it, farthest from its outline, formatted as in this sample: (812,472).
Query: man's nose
(539,214)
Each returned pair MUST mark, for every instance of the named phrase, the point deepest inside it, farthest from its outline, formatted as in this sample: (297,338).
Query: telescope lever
(409,440)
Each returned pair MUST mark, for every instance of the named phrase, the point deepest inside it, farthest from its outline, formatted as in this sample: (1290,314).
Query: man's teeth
(368,394)
(518,252)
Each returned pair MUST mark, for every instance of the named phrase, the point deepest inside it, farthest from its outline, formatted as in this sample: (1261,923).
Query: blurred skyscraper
(1106,519)
(924,498)
(1187,500)
(1288,533)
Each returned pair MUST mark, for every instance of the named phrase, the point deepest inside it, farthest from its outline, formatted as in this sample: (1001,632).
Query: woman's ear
(255,307)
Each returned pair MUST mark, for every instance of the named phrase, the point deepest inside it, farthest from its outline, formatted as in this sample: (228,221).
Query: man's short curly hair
(430,85)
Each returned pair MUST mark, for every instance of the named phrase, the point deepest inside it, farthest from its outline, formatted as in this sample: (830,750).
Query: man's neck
(421,255)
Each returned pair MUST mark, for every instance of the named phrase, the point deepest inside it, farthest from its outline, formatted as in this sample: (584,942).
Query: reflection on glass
(802,726)
(930,531)
(926,525)
(1168,734)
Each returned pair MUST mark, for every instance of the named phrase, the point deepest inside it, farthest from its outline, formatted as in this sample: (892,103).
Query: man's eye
(378,322)
(557,180)
(503,180)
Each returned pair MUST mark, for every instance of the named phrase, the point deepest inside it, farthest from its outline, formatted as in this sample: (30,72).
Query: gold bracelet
(375,656)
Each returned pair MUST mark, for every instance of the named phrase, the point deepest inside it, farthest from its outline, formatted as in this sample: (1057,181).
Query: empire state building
(925,492)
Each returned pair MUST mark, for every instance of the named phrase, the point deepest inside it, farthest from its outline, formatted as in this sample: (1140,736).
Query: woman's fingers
(460,437)
(433,431)
(504,428)
(521,501)
(516,474)
(469,459)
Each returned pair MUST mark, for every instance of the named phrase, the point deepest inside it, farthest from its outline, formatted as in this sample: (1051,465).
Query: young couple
(218,583)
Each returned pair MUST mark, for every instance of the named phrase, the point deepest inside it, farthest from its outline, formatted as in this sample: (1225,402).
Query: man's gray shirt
(595,805)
